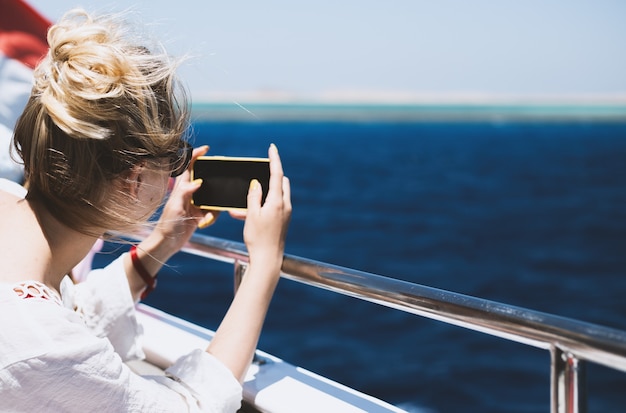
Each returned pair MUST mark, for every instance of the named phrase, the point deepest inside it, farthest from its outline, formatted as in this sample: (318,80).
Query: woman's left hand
(180,218)
(176,225)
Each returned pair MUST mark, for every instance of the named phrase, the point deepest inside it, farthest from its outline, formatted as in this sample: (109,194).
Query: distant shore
(405,108)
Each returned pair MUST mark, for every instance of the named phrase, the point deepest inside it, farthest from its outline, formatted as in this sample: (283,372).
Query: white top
(66,355)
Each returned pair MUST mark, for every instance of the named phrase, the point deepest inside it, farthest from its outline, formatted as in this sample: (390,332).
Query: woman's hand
(266,225)
(180,218)
(176,225)
(265,230)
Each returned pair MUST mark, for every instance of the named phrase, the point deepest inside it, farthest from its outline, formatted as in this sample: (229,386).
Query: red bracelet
(143,273)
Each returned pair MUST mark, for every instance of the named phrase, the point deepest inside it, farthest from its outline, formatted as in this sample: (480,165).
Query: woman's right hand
(266,225)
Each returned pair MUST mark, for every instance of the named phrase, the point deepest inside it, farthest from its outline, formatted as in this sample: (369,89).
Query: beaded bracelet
(143,273)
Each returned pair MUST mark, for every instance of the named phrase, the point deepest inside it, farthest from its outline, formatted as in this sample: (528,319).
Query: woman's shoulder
(18,235)
(11,188)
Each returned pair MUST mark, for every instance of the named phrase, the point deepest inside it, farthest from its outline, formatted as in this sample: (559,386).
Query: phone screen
(225,181)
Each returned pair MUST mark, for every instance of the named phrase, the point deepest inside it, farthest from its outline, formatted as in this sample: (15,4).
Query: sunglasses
(180,160)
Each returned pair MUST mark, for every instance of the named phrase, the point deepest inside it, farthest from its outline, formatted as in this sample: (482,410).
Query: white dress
(67,354)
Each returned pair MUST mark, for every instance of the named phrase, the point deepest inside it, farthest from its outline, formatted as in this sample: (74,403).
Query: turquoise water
(306,111)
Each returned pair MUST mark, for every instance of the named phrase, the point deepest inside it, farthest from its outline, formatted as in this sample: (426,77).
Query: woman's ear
(132,179)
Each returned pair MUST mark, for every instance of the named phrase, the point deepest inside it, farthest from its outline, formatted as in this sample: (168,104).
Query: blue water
(530,214)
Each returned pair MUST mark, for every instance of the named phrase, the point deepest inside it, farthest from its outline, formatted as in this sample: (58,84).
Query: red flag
(22,32)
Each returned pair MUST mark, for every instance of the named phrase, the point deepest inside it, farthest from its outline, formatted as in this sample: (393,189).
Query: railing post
(568,383)
(239,270)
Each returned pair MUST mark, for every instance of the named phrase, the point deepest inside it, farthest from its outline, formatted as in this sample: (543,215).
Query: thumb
(255,193)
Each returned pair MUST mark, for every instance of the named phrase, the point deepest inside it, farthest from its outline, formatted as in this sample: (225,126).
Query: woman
(101,135)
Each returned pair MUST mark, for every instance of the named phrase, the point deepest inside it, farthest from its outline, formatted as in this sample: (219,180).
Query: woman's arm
(265,230)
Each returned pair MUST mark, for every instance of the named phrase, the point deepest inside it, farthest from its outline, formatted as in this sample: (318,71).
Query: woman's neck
(62,247)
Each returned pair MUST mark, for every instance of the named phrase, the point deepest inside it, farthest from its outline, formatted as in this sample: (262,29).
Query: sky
(394,49)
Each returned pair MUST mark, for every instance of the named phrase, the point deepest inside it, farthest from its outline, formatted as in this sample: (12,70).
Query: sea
(519,205)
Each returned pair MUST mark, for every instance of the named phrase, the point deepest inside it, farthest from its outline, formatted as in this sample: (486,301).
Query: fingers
(185,188)
(255,193)
(199,151)
(208,219)
(238,214)
(186,176)
(180,198)
(287,193)
(276,175)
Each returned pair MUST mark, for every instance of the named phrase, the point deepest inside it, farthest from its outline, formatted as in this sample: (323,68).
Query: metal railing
(571,343)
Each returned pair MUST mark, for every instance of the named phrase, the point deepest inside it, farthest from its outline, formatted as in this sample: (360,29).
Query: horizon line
(409,98)
(262,111)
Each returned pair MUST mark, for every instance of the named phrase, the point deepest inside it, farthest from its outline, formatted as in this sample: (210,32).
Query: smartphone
(225,181)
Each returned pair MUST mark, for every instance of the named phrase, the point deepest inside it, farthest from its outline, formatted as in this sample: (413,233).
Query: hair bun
(83,72)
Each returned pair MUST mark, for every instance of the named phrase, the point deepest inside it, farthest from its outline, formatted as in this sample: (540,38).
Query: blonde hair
(102,102)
